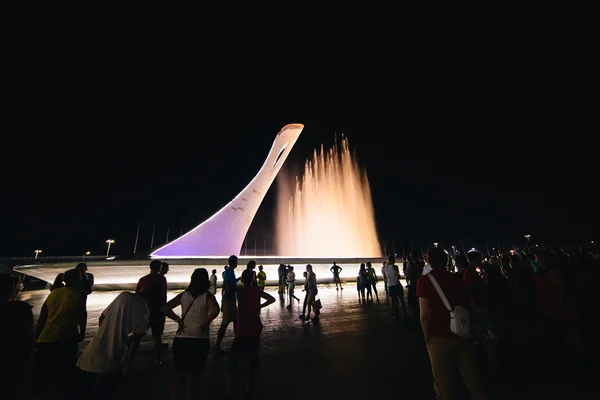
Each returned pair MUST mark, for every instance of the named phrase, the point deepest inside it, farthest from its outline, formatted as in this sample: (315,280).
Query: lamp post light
(109,241)
(87,253)
(436,244)
(36,254)
(528,237)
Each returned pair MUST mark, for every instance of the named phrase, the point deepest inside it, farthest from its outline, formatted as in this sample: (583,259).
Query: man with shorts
(336,269)
(153,288)
(247,336)
(228,302)
(395,289)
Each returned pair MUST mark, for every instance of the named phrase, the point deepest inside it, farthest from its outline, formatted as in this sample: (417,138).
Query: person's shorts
(336,277)
(291,286)
(157,322)
(242,348)
(396,291)
(229,309)
(190,354)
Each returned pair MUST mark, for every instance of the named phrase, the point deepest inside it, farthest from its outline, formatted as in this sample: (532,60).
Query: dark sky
(75,176)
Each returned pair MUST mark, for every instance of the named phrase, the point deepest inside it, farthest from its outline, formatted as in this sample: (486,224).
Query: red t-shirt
(248,313)
(455,293)
(153,288)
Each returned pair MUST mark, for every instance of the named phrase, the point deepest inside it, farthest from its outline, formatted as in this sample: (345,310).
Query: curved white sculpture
(223,233)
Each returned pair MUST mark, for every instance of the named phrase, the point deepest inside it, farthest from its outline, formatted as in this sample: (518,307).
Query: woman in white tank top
(192,341)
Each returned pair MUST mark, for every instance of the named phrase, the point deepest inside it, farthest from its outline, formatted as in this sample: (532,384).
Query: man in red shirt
(446,350)
(249,328)
(153,288)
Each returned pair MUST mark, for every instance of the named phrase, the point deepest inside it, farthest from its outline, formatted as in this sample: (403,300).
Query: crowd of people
(539,300)
(465,304)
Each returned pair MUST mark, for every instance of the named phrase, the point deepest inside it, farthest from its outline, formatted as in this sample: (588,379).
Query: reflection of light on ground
(278,320)
(99,300)
(179,274)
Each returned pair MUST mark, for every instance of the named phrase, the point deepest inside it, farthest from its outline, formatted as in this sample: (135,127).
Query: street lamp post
(36,253)
(436,244)
(87,253)
(109,241)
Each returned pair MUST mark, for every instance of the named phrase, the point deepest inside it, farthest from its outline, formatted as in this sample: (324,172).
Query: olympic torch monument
(333,197)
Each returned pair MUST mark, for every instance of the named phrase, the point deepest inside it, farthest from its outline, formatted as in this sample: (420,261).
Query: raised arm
(269,299)
(213,307)
(167,309)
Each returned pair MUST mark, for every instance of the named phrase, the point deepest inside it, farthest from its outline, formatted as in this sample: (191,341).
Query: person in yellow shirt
(261,278)
(60,327)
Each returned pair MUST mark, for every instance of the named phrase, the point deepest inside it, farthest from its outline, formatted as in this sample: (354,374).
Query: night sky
(74,178)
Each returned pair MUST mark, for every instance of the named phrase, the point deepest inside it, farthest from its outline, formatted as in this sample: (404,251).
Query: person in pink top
(249,328)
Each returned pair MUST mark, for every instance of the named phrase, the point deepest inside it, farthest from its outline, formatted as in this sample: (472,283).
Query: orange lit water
(330,212)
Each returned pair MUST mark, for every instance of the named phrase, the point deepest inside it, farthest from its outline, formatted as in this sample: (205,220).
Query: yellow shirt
(63,307)
(261,277)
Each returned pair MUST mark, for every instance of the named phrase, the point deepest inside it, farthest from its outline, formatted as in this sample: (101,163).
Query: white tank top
(391,275)
(195,317)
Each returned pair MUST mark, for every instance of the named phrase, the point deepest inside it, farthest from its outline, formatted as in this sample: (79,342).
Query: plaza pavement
(354,351)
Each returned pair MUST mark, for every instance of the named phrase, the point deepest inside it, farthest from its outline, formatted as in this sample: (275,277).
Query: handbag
(317,304)
(460,323)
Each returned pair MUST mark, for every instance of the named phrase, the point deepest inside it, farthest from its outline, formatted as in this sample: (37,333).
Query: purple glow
(223,233)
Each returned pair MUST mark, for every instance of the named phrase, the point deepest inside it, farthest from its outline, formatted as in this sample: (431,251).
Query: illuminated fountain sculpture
(223,233)
(329,217)
(330,213)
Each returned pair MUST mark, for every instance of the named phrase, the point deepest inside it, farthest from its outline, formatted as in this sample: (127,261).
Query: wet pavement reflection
(354,350)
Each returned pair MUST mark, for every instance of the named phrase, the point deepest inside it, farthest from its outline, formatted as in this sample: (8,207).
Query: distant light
(527,236)
(110,241)
(436,244)
(87,253)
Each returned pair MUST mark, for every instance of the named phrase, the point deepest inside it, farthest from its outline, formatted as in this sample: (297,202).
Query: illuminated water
(330,212)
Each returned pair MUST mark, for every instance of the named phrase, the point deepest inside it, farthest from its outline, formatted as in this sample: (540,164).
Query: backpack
(460,322)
